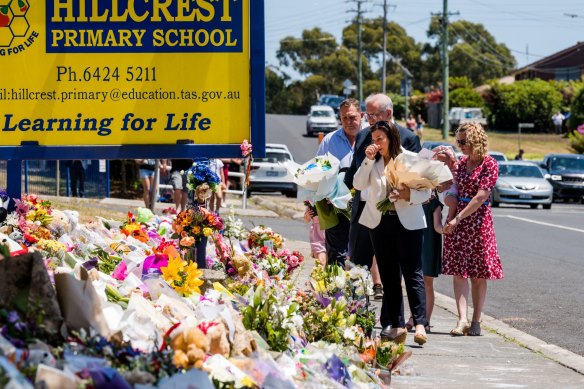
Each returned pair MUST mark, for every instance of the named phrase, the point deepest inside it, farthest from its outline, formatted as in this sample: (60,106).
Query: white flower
(350,334)
(340,281)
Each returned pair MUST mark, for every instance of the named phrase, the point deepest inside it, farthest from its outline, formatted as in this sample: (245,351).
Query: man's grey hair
(384,101)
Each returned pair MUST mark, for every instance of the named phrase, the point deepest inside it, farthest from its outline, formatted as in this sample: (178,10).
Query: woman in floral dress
(470,245)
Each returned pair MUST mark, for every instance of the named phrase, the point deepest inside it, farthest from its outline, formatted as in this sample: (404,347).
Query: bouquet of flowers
(273,315)
(246,150)
(201,181)
(267,260)
(261,236)
(192,224)
(182,276)
(415,172)
(322,186)
(34,218)
(330,280)
(291,258)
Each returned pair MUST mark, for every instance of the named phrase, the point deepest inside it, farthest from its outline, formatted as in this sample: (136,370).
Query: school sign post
(120,79)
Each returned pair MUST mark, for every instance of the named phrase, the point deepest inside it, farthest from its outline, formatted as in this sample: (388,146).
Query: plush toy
(242,265)
(190,347)
(4,200)
(219,344)
(60,224)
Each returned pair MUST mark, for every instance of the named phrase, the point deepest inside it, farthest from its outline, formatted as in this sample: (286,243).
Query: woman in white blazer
(396,235)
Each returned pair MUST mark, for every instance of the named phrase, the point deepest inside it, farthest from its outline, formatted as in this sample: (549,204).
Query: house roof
(549,62)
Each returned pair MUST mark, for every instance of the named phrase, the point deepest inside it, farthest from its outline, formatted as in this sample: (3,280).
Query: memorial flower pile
(137,312)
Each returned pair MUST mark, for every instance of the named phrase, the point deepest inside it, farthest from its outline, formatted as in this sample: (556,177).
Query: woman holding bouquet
(396,234)
(470,245)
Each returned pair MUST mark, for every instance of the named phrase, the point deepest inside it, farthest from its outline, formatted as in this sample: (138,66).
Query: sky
(531,29)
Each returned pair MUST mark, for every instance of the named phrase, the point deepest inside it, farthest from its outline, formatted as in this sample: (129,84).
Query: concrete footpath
(503,357)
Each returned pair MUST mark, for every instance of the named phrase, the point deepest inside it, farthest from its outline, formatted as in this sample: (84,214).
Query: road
(542,253)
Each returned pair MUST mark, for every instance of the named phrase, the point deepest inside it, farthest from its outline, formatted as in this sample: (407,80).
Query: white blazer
(371,176)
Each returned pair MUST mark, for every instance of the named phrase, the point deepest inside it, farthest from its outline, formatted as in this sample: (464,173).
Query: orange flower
(187,241)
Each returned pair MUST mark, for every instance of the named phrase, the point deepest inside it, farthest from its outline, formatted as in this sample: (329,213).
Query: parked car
(332,101)
(460,115)
(499,157)
(566,174)
(431,144)
(270,175)
(522,182)
(321,118)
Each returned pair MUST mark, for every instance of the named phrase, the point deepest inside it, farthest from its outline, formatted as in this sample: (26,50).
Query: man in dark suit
(378,107)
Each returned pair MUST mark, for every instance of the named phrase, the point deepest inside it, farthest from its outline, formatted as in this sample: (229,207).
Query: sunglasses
(461,142)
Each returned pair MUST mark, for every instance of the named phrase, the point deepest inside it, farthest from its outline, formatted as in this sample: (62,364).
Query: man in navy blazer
(378,107)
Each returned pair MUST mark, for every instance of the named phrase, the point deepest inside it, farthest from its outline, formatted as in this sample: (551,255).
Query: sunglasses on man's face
(461,142)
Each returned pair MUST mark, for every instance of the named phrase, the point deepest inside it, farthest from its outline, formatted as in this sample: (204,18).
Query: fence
(52,178)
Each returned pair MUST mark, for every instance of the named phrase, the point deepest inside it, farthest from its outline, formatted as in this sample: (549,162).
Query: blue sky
(532,29)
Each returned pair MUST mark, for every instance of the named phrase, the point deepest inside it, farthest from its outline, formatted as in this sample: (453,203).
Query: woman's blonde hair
(476,137)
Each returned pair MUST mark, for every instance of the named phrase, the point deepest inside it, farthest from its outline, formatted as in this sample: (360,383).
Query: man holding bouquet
(340,144)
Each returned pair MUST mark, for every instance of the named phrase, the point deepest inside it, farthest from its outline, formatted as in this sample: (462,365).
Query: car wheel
(533,206)
(494,203)
(547,206)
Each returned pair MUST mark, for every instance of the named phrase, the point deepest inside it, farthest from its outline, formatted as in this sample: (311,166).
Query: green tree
(528,101)
(465,97)
(399,45)
(473,52)
(459,82)
(304,54)
(577,110)
(277,95)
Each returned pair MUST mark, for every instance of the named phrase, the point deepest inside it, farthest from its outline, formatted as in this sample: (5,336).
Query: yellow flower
(196,230)
(207,231)
(173,271)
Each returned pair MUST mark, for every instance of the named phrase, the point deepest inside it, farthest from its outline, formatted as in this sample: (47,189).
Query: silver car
(321,118)
(522,182)
(270,175)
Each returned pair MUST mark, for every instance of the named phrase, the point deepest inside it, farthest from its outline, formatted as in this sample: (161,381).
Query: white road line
(543,223)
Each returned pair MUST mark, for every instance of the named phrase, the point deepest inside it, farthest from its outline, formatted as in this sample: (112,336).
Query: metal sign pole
(13,181)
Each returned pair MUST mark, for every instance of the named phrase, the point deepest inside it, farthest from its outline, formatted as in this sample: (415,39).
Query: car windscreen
(519,171)
(323,114)
(559,163)
(498,157)
(272,157)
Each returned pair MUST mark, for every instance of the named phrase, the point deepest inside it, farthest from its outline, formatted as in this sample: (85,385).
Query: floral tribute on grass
(134,311)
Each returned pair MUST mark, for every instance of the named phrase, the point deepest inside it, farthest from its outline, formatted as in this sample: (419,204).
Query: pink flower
(580,129)
(245,148)
(121,271)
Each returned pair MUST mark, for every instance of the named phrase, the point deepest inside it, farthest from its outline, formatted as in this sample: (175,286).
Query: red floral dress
(471,251)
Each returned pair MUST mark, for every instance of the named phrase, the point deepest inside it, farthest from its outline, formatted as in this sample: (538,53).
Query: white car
(499,157)
(270,175)
(321,118)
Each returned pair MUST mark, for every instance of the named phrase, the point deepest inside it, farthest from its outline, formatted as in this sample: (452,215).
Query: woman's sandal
(428,327)
(475,329)
(461,329)
(420,338)
(410,324)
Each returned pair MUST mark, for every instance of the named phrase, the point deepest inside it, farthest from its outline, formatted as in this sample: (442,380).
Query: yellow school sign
(124,72)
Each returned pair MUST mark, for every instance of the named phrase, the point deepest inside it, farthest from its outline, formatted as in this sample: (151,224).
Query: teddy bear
(190,347)
(242,265)
(218,343)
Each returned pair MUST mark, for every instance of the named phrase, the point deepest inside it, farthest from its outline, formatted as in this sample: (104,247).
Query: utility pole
(445,68)
(383,81)
(384,60)
(445,71)
(359,19)
(359,50)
